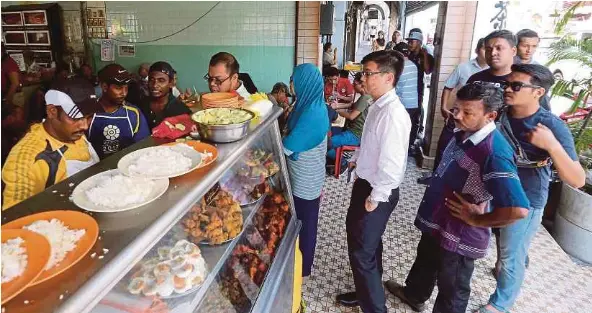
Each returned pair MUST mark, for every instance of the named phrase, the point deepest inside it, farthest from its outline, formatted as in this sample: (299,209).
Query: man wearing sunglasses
(222,75)
(161,103)
(539,139)
(500,50)
(475,186)
(120,124)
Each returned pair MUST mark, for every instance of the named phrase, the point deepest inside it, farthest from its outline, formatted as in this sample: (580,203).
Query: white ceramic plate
(80,199)
(187,151)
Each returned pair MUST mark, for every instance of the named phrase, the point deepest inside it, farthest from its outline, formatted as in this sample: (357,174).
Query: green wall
(267,65)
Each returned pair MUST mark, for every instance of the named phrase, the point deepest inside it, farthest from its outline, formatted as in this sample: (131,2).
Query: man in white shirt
(380,165)
(222,75)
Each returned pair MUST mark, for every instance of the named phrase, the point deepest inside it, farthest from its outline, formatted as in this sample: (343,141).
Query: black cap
(402,47)
(163,67)
(114,74)
(279,87)
(76,96)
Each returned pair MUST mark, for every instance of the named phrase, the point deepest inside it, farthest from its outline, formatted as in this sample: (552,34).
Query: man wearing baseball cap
(55,149)
(424,62)
(119,124)
(279,95)
(161,103)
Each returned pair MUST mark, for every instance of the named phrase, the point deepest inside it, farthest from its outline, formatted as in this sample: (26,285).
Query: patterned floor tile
(554,282)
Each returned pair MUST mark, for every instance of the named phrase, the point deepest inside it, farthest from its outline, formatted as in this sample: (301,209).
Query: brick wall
(308,48)
(456,48)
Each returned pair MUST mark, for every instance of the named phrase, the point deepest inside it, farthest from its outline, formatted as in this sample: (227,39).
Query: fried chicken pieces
(214,222)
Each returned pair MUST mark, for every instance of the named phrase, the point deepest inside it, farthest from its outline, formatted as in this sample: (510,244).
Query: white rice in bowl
(120,191)
(61,239)
(14,259)
(161,161)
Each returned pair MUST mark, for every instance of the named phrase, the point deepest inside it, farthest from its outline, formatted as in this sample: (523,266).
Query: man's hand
(370,204)
(542,137)
(351,166)
(334,105)
(464,210)
(446,114)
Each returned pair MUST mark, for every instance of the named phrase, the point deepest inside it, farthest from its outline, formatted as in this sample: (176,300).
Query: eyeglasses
(368,74)
(216,80)
(516,86)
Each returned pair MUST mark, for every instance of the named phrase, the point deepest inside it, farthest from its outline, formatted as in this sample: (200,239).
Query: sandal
(484,309)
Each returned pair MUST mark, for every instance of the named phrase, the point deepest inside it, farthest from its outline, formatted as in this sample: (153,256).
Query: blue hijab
(308,123)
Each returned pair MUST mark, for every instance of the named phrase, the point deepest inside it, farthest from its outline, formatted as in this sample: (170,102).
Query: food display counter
(220,239)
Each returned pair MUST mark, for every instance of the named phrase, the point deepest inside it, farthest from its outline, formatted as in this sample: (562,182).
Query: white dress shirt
(242,91)
(382,157)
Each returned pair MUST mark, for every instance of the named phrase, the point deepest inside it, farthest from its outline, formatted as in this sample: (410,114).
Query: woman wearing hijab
(379,43)
(305,146)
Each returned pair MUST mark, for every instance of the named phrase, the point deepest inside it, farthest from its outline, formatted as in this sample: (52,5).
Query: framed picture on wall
(15,38)
(42,56)
(38,38)
(35,18)
(12,19)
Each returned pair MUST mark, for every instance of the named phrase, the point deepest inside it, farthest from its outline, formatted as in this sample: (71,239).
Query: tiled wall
(229,23)
(456,48)
(261,35)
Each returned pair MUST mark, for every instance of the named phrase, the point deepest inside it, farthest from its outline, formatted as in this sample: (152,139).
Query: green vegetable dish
(222,116)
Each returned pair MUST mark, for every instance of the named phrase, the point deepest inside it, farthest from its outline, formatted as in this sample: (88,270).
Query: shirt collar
(242,91)
(479,135)
(476,64)
(386,98)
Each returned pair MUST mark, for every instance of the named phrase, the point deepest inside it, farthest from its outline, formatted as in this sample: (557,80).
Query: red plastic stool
(338,152)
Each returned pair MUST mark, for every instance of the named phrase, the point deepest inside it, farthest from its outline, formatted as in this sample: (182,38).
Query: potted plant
(573,220)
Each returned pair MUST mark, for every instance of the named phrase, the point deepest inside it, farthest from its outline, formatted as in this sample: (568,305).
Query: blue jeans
(344,138)
(514,242)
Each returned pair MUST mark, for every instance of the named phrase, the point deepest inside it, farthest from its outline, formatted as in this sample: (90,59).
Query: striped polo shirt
(307,174)
(480,168)
(407,86)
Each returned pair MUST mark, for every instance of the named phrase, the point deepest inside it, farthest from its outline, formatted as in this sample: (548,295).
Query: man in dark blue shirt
(119,124)
(539,138)
(477,171)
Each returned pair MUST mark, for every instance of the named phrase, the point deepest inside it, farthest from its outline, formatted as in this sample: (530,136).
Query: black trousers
(452,271)
(414,115)
(364,242)
(307,211)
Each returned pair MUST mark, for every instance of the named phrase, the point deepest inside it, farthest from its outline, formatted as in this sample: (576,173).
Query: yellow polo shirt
(34,164)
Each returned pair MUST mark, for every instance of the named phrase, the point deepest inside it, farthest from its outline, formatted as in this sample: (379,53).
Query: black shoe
(397,290)
(348,299)
(424,180)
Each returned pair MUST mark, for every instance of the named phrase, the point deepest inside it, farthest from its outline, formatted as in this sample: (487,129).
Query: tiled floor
(554,283)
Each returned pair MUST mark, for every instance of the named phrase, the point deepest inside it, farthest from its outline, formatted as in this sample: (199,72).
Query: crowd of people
(492,169)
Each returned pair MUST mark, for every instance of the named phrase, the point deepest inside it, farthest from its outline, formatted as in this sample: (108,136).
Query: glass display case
(221,239)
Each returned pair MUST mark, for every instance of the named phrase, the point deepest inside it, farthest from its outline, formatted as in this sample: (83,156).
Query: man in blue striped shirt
(406,89)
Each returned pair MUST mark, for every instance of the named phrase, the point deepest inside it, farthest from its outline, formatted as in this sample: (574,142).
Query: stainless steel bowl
(223,133)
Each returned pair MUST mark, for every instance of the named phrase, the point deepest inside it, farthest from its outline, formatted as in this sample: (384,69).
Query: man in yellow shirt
(55,149)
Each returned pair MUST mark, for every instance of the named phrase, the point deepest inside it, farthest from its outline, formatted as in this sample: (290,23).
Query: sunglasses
(216,80)
(517,86)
